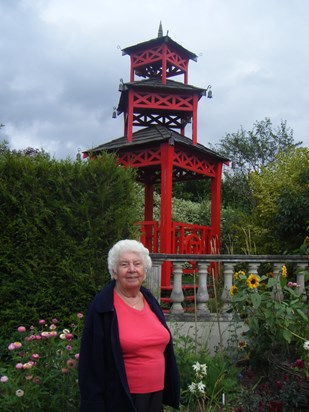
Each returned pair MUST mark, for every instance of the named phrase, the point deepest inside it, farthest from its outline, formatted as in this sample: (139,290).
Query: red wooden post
(164,49)
(167,153)
(215,203)
(130,116)
(186,73)
(148,215)
(132,69)
(194,119)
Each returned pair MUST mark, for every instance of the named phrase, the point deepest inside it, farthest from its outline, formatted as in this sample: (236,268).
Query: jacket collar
(104,301)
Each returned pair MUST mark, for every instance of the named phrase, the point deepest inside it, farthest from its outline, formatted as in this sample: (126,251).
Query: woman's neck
(131,293)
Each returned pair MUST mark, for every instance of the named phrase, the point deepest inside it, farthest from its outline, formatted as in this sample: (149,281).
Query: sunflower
(233,290)
(238,274)
(253,281)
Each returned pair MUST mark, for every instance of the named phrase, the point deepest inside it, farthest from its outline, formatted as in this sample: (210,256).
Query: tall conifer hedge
(58,220)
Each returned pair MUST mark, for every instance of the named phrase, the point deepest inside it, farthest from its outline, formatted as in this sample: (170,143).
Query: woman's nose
(131,267)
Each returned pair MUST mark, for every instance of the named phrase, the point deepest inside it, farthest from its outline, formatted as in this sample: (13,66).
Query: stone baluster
(153,281)
(277,290)
(177,295)
(228,272)
(202,296)
(253,268)
(301,268)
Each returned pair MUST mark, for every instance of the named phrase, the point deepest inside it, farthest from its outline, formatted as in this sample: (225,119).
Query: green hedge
(58,220)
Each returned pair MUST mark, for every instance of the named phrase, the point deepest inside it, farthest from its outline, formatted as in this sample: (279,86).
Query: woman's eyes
(127,264)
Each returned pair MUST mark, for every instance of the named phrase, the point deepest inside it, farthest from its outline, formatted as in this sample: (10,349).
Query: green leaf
(287,335)
(272,282)
(302,314)
(256,300)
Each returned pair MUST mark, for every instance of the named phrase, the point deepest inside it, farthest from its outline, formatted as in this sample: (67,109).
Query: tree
(248,152)
(282,196)
(251,150)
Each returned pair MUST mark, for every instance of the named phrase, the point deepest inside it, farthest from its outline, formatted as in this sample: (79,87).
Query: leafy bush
(58,220)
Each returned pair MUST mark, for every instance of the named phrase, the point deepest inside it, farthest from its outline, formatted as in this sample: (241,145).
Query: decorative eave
(149,136)
(157,42)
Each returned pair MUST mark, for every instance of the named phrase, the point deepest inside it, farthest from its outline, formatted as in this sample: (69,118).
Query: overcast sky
(61,62)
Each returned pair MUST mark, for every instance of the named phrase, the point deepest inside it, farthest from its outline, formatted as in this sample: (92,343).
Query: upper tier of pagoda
(156,99)
(160,58)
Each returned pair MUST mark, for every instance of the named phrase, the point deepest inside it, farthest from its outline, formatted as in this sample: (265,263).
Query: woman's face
(130,271)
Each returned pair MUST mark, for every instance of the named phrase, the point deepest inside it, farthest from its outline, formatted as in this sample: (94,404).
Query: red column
(215,205)
(164,47)
(194,119)
(186,73)
(131,70)
(130,116)
(125,123)
(167,154)
(148,211)
(148,216)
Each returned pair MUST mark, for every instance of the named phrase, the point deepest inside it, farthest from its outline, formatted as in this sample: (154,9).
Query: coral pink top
(143,339)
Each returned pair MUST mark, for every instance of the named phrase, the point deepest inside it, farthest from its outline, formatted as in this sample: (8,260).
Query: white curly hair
(127,245)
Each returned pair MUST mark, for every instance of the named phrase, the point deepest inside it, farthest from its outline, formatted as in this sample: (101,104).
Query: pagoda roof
(156,42)
(153,135)
(157,84)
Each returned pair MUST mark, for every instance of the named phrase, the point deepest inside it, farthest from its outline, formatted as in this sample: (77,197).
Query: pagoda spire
(160,32)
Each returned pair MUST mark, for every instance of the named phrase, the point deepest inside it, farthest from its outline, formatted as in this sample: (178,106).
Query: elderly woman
(127,361)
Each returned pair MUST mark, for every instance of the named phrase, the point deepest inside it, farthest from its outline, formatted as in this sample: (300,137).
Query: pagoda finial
(160,32)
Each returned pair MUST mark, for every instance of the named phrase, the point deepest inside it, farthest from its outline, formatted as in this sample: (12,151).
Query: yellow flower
(253,281)
(233,290)
(238,274)
(284,271)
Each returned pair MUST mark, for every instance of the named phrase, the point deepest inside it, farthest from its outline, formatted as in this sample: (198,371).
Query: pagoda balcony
(185,238)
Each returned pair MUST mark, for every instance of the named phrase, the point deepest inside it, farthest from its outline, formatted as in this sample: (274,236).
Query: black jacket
(102,378)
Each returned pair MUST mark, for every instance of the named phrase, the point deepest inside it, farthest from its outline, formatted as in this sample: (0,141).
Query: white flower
(204,369)
(196,366)
(4,379)
(19,393)
(201,387)
(192,387)
(306,345)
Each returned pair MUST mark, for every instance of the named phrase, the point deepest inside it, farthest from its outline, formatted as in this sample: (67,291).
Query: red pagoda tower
(161,109)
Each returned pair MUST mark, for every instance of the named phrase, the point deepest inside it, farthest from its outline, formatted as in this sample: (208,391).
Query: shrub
(58,220)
